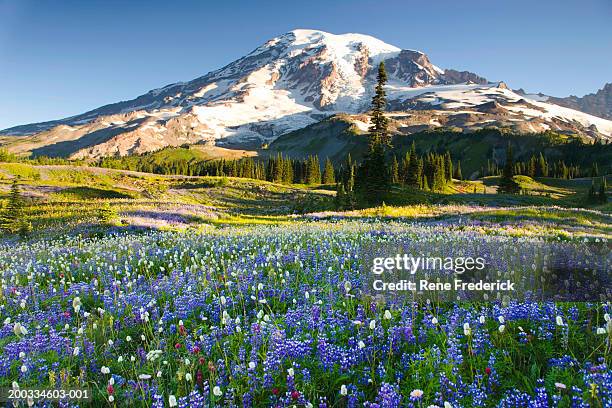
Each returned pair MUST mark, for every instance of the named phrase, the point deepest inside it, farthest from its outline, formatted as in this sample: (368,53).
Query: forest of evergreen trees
(541,167)
(277,169)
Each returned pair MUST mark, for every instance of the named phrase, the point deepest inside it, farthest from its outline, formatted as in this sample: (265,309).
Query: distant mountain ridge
(598,103)
(290,82)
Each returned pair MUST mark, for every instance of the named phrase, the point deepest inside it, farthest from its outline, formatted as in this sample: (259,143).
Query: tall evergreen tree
(12,217)
(603,197)
(448,167)
(373,180)
(506,182)
(395,177)
(415,169)
(379,132)
(424,183)
(594,170)
(458,174)
(328,173)
(345,196)
(313,170)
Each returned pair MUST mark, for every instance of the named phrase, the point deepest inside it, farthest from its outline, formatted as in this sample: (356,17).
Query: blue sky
(62,58)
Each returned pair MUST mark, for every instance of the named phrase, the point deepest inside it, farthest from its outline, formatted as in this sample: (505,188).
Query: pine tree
(328,173)
(458,174)
(603,197)
(379,132)
(12,218)
(594,170)
(287,177)
(313,170)
(415,169)
(395,178)
(531,169)
(506,182)
(340,196)
(424,183)
(542,168)
(347,180)
(373,180)
(448,167)
(439,175)
(592,195)
(403,170)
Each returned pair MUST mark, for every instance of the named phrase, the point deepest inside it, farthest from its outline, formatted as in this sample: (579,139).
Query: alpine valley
(307,79)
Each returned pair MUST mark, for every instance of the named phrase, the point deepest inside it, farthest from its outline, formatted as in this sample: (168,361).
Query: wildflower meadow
(250,316)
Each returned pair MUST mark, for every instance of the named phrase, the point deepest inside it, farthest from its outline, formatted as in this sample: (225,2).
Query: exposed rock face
(598,104)
(414,68)
(289,82)
(457,77)
(502,85)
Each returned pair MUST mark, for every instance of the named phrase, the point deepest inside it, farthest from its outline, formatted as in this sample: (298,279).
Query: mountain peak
(317,37)
(291,81)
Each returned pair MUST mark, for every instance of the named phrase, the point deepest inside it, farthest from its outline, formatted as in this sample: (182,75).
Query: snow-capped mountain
(287,83)
(598,103)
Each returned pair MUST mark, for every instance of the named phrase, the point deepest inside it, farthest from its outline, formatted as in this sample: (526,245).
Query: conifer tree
(592,195)
(12,217)
(379,132)
(373,180)
(328,173)
(542,167)
(506,182)
(395,178)
(458,174)
(448,167)
(415,169)
(424,183)
(313,170)
(531,170)
(340,196)
(404,166)
(603,197)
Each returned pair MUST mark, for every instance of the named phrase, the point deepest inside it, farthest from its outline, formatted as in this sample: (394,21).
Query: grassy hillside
(333,137)
(62,196)
(72,195)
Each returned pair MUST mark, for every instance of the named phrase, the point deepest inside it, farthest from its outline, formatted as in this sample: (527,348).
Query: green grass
(69,196)
(23,171)
(88,193)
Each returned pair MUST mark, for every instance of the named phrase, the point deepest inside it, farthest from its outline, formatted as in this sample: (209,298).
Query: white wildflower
(416,393)
(343,390)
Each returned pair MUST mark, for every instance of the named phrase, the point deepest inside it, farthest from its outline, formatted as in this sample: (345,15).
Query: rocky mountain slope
(290,82)
(598,104)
